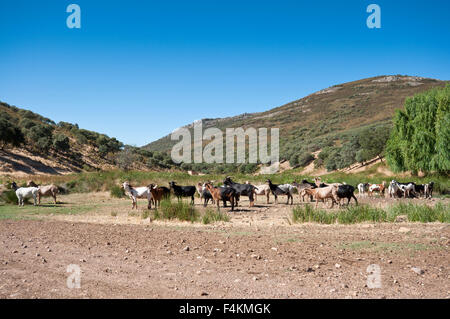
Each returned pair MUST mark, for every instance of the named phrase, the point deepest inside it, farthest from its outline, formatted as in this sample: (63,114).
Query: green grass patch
(420,213)
(306,214)
(366,213)
(176,210)
(33,212)
(361,213)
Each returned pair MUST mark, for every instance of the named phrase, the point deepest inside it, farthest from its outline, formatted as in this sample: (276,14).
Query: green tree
(420,139)
(41,137)
(373,143)
(61,143)
(10,134)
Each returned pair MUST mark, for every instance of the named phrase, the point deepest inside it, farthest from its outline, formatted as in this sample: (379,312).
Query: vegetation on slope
(67,143)
(349,121)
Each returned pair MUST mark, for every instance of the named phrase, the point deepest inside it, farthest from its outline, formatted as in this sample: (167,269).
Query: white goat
(262,190)
(393,189)
(362,188)
(25,192)
(138,192)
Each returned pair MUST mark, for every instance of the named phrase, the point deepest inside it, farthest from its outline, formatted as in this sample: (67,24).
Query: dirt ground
(258,254)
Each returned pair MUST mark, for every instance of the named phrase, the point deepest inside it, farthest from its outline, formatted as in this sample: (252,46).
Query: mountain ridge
(341,108)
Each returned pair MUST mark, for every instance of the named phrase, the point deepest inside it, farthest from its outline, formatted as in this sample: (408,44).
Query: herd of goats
(231,192)
(318,191)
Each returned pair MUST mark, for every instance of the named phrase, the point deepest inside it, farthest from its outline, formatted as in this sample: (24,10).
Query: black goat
(346,191)
(241,189)
(206,195)
(183,191)
(420,189)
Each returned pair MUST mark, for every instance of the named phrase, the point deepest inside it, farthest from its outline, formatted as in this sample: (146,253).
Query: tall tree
(420,139)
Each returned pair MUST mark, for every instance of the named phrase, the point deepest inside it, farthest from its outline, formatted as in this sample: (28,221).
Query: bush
(117,192)
(305,159)
(9,197)
(41,137)
(9,133)
(125,158)
(293,160)
(61,143)
(178,210)
(26,124)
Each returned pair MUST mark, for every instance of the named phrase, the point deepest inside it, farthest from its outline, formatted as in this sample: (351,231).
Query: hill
(327,118)
(31,144)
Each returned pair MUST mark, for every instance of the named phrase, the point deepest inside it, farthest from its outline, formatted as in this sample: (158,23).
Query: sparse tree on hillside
(373,143)
(10,134)
(125,158)
(41,137)
(61,143)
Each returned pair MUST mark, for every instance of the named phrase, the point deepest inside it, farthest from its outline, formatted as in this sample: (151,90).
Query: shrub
(61,143)
(10,133)
(117,192)
(41,137)
(178,210)
(26,124)
(125,158)
(9,197)
(305,159)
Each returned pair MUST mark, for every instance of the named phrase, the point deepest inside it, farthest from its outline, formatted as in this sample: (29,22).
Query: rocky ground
(259,254)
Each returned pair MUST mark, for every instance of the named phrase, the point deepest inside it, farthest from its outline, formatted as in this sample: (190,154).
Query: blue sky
(136,70)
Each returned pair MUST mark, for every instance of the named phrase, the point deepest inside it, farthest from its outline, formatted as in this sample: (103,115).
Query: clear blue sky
(138,69)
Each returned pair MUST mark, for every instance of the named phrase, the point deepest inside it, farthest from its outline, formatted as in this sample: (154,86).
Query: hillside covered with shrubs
(67,145)
(348,123)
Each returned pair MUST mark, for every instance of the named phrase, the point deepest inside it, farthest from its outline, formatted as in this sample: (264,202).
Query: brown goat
(157,194)
(222,194)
